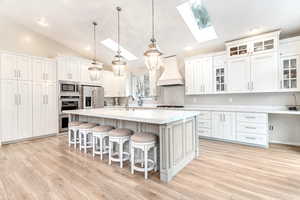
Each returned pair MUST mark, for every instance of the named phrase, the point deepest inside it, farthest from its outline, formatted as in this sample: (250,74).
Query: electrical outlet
(194,100)
(230,100)
(271,128)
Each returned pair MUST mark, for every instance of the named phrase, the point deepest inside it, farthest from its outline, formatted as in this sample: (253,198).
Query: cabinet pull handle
(46,99)
(281,86)
(251,138)
(19,74)
(252,86)
(16,99)
(20,100)
(248,86)
(250,117)
(249,127)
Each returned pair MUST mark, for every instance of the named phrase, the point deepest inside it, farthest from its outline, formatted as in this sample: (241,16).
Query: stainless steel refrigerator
(91,96)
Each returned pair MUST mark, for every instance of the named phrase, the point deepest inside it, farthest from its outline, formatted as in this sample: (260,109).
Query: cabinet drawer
(204,132)
(205,115)
(253,117)
(253,139)
(252,128)
(204,123)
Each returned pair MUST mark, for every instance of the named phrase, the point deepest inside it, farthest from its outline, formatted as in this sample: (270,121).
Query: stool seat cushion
(120,132)
(75,123)
(87,125)
(102,128)
(143,137)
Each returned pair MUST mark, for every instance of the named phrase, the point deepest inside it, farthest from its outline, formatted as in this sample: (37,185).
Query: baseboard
(234,142)
(28,139)
(287,143)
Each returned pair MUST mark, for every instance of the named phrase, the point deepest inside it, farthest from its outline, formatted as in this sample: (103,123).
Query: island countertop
(138,115)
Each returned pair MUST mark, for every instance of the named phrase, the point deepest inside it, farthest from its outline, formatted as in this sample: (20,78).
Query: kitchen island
(176,130)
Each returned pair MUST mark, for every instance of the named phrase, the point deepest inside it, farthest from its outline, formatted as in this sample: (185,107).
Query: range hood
(171,75)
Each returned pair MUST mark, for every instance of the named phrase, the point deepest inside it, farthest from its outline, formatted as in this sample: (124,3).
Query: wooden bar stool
(85,136)
(144,142)
(119,136)
(101,140)
(73,133)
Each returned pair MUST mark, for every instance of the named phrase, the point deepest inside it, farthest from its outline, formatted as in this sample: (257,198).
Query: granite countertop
(224,108)
(153,116)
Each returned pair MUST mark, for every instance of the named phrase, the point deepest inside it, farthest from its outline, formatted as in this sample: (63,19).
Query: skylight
(112,45)
(197,19)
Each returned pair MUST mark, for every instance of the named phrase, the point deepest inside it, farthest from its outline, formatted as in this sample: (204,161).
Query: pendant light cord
(153,39)
(95,45)
(119,10)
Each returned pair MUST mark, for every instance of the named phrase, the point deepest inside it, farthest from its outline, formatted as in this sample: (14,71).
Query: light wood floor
(47,169)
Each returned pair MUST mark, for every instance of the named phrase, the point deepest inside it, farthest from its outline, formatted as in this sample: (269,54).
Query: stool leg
(85,142)
(69,134)
(146,162)
(80,141)
(121,154)
(101,147)
(155,159)
(75,138)
(110,152)
(132,159)
(94,144)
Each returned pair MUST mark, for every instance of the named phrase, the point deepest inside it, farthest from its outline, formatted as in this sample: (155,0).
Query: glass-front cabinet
(238,50)
(219,66)
(289,73)
(263,45)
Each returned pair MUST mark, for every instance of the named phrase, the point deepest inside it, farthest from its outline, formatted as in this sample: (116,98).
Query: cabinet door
(264,72)
(289,73)
(207,75)
(9,110)
(189,77)
(8,67)
(229,132)
(51,108)
(25,109)
(217,125)
(38,66)
(62,70)
(39,109)
(73,69)
(24,66)
(219,73)
(50,71)
(238,72)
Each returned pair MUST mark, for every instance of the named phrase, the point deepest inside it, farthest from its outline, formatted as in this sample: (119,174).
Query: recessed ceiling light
(112,45)
(188,48)
(198,20)
(42,22)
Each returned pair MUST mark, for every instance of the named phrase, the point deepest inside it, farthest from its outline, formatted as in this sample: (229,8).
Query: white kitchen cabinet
(85,77)
(16,67)
(68,68)
(238,74)
(219,73)
(264,72)
(45,111)
(16,110)
(289,73)
(223,125)
(115,86)
(44,70)
(198,76)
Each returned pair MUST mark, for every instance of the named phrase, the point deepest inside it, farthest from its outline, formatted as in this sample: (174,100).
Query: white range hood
(171,75)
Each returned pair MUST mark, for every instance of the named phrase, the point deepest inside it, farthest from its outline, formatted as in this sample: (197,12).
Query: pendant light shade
(119,63)
(95,67)
(153,55)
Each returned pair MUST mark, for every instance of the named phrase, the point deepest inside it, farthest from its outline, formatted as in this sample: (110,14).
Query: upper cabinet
(44,70)
(115,86)
(220,73)
(198,76)
(85,77)
(68,68)
(16,67)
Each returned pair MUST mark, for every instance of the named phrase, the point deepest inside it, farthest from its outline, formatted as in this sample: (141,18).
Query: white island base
(177,136)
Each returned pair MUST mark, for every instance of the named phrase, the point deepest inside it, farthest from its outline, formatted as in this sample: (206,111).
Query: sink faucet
(130,97)
(295,99)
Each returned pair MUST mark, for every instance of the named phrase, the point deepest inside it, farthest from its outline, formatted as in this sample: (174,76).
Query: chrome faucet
(130,97)
(295,99)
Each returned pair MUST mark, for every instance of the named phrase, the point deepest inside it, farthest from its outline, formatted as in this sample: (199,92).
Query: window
(140,85)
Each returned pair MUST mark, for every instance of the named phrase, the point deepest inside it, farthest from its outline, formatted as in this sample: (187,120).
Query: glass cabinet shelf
(220,79)
(289,73)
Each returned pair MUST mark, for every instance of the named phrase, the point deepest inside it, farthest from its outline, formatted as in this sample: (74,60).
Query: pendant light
(119,63)
(153,54)
(95,68)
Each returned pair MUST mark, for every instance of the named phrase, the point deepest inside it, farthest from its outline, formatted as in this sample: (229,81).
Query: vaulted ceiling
(70,22)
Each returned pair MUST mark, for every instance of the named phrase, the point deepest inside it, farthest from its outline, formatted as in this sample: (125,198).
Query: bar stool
(73,133)
(100,140)
(85,136)
(144,142)
(119,136)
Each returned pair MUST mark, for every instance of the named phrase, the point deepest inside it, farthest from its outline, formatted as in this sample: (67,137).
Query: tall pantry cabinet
(18,105)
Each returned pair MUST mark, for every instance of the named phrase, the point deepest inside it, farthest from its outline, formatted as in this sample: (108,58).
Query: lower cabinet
(16,110)
(246,128)
(45,113)
(223,125)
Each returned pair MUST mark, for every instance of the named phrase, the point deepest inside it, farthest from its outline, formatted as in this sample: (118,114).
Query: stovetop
(169,106)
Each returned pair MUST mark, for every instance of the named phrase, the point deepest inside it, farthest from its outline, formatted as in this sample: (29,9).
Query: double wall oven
(69,99)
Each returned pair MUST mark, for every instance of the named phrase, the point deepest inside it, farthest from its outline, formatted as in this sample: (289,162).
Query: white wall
(19,39)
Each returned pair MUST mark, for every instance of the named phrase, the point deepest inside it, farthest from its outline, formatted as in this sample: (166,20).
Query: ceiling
(70,22)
